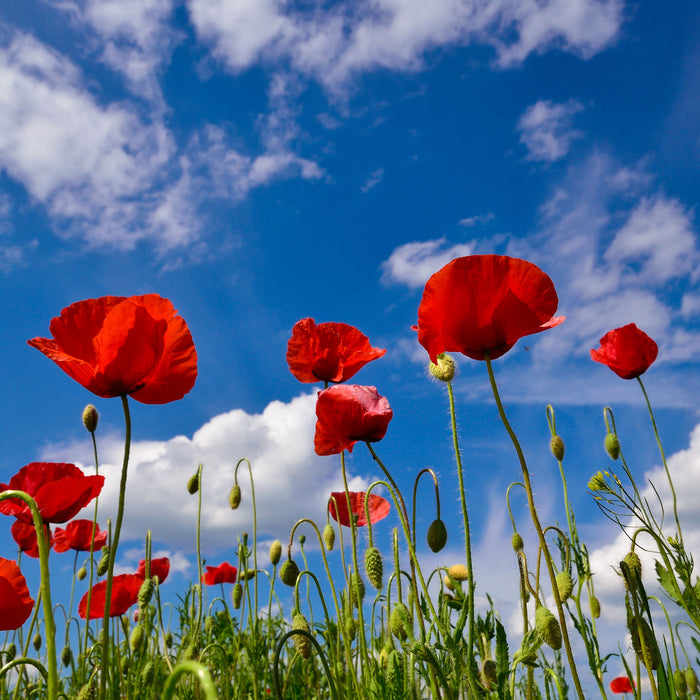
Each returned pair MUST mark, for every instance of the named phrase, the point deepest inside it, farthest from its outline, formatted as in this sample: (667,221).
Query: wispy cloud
(375,177)
(546,129)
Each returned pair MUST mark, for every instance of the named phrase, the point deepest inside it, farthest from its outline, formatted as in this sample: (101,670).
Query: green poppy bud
(136,639)
(275,552)
(374,567)
(193,484)
(81,573)
(148,673)
(169,639)
(680,684)
(289,572)
(488,675)
(103,562)
(556,445)
(90,417)
(394,674)
(595,607)
(146,592)
(400,624)
(234,498)
(36,642)
(66,656)
(548,628)
(517,542)
(237,595)
(350,628)
(301,641)
(437,535)
(612,445)
(646,643)
(691,680)
(11,651)
(564,585)
(329,536)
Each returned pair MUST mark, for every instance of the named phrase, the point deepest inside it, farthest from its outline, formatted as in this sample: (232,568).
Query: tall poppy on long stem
(627,351)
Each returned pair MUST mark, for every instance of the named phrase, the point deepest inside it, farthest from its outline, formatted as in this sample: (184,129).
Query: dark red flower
(125,592)
(15,602)
(25,537)
(160,567)
(60,491)
(484,304)
(77,535)
(349,413)
(628,351)
(328,352)
(338,507)
(124,345)
(620,685)
(224,573)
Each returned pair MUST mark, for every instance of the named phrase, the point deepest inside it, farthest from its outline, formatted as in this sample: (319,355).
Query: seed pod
(329,536)
(445,368)
(146,592)
(691,680)
(437,535)
(66,656)
(564,585)
(237,596)
(548,628)
(647,643)
(612,445)
(556,445)
(234,498)
(400,623)
(301,641)
(289,572)
(81,573)
(275,552)
(595,607)
(374,567)
(517,542)
(136,639)
(36,642)
(90,417)
(193,484)
(488,675)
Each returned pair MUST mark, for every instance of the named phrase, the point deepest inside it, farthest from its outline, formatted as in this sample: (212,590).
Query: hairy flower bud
(517,542)
(350,628)
(445,368)
(193,484)
(595,607)
(400,623)
(275,552)
(374,567)
(556,445)
(234,498)
(488,675)
(301,641)
(437,535)
(691,680)
(564,585)
(680,684)
(548,628)
(458,572)
(136,638)
(644,644)
(148,674)
(289,572)
(146,592)
(612,445)
(329,536)
(237,595)
(90,417)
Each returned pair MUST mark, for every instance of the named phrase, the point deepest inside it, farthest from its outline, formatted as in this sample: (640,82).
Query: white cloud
(412,263)
(546,129)
(375,177)
(474,220)
(291,481)
(336,44)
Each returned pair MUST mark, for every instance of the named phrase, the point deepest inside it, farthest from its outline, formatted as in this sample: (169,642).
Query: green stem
(199,672)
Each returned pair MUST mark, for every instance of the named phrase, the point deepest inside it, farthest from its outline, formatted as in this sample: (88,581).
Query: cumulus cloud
(546,129)
(290,480)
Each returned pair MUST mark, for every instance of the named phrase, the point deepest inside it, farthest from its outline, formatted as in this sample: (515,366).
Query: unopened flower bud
(301,641)
(275,552)
(103,562)
(193,484)
(437,535)
(289,572)
(691,680)
(148,673)
(81,573)
(374,567)
(329,536)
(11,651)
(36,642)
(136,638)
(168,639)
(488,675)
(556,445)
(646,643)
(90,417)
(146,592)
(350,628)
(444,369)
(547,627)
(458,572)
(564,585)
(400,623)
(234,498)
(595,607)
(517,542)
(237,595)
(66,656)
(680,683)
(612,445)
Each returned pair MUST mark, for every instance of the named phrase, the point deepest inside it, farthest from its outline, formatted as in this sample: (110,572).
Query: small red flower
(25,537)
(159,567)
(77,535)
(124,345)
(15,602)
(620,685)
(328,352)
(482,304)
(338,508)
(125,592)
(628,351)
(224,573)
(347,414)
(60,491)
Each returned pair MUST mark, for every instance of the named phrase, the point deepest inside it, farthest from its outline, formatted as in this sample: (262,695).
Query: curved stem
(198,671)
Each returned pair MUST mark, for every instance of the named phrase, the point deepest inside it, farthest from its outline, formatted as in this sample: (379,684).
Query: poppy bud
(646,644)
(81,573)
(237,595)
(89,691)
(136,638)
(612,445)
(488,675)
(329,536)
(691,680)
(193,484)
(680,684)
(301,641)
(124,665)
(458,572)
(275,552)
(350,628)
(437,535)
(547,627)
(289,572)
(66,656)
(374,567)
(394,674)
(517,542)
(11,652)
(148,673)
(208,626)
(356,585)
(448,582)
(234,498)
(595,607)
(169,639)
(564,585)
(634,565)
(103,563)
(556,445)
(302,539)
(145,592)
(36,642)
(400,621)
(445,368)
(90,417)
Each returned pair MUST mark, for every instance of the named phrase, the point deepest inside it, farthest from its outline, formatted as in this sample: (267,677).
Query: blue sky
(258,162)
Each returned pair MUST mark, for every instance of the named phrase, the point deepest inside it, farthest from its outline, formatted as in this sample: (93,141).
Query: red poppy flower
(15,602)
(124,345)
(125,592)
(328,352)
(484,304)
(224,573)
(25,537)
(349,413)
(628,351)
(159,567)
(338,508)
(620,685)
(77,535)
(60,491)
